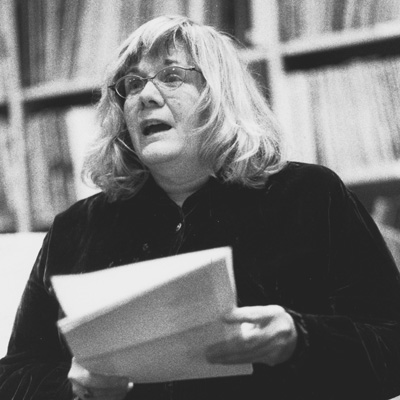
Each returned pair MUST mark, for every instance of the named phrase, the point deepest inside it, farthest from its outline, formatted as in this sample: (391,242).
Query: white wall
(17,255)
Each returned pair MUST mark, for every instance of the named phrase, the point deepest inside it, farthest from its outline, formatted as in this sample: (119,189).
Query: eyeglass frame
(113,86)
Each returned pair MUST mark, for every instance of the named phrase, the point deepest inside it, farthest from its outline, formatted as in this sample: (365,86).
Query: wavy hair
(241,140)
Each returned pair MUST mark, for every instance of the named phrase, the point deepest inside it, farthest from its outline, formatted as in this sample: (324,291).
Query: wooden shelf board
(340,40)
(385,173)
(59,89)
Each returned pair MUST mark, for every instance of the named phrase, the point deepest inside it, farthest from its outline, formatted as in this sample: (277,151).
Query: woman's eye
(171,78)
(133,84)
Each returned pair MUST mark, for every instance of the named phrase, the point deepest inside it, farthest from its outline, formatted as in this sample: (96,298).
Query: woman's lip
(156,128)
(146,125)
(151,121)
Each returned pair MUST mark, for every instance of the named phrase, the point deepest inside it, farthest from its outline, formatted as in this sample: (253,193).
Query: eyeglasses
(169,78)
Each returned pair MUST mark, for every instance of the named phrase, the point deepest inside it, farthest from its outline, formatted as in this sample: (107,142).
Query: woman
(189,158)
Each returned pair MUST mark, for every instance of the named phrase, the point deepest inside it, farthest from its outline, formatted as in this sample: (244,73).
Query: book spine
(50,166)
(309,18)
(350,111)
(7,213)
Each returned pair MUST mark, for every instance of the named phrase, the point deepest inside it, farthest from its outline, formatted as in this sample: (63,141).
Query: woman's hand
(268,336)
(86,385)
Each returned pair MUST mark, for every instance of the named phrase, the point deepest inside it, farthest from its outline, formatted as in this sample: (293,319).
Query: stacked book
(67,39)
(306,18)
(7,213)
(346,117)
(56,141)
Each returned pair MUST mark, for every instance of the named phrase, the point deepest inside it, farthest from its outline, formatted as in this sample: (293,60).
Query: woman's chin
(158,156)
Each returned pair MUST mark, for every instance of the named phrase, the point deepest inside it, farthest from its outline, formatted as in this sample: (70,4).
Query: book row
(66,39)
(55,145)
(3,67)
(50,170)
(343,117)
(346,117)
(8,221)
(305,18)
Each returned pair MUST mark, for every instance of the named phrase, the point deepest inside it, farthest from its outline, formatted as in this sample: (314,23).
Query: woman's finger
(253,313)
(110,393)
(270,338)
(87,385)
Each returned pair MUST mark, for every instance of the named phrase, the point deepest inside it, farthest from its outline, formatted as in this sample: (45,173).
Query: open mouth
(155,128)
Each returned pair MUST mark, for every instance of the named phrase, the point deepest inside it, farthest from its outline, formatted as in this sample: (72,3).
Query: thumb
(253,314)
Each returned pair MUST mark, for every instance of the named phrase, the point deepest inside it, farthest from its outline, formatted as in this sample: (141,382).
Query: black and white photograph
(199,199)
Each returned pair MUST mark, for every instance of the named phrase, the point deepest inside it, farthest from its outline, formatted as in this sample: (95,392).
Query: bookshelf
(306,54)
(16,200)
(334,68)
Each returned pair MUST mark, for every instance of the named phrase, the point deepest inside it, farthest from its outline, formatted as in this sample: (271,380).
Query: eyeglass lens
(170,77)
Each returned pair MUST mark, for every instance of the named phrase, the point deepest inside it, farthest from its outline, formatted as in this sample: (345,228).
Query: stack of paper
(151,321)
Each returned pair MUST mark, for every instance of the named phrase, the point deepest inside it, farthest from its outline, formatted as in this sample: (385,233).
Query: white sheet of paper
(151,321)
(169,358)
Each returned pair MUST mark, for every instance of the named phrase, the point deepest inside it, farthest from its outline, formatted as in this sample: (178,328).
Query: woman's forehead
(171,56)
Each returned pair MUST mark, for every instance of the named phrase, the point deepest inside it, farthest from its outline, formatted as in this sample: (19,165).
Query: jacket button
(145,247)
(178,227)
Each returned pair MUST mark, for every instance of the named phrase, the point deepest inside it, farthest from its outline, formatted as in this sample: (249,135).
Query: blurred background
(329,68)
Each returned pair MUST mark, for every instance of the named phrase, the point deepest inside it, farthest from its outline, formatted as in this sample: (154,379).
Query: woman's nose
(150,95)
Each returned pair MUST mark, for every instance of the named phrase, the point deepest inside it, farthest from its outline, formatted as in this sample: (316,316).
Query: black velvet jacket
(303,242)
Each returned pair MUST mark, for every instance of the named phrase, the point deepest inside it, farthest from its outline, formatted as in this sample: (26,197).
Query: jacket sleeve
(37,361)
(353,350)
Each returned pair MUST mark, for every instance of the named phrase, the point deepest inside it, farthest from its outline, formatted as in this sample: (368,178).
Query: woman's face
(161,121)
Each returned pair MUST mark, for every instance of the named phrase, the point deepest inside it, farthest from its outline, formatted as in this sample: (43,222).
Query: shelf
(65,88)
(270,60)
(341,40)
(382,174)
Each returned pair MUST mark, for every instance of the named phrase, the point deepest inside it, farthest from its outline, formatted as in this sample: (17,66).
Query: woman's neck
(180,187)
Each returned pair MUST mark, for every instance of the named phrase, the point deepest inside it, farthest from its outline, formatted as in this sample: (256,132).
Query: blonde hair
(241,139)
